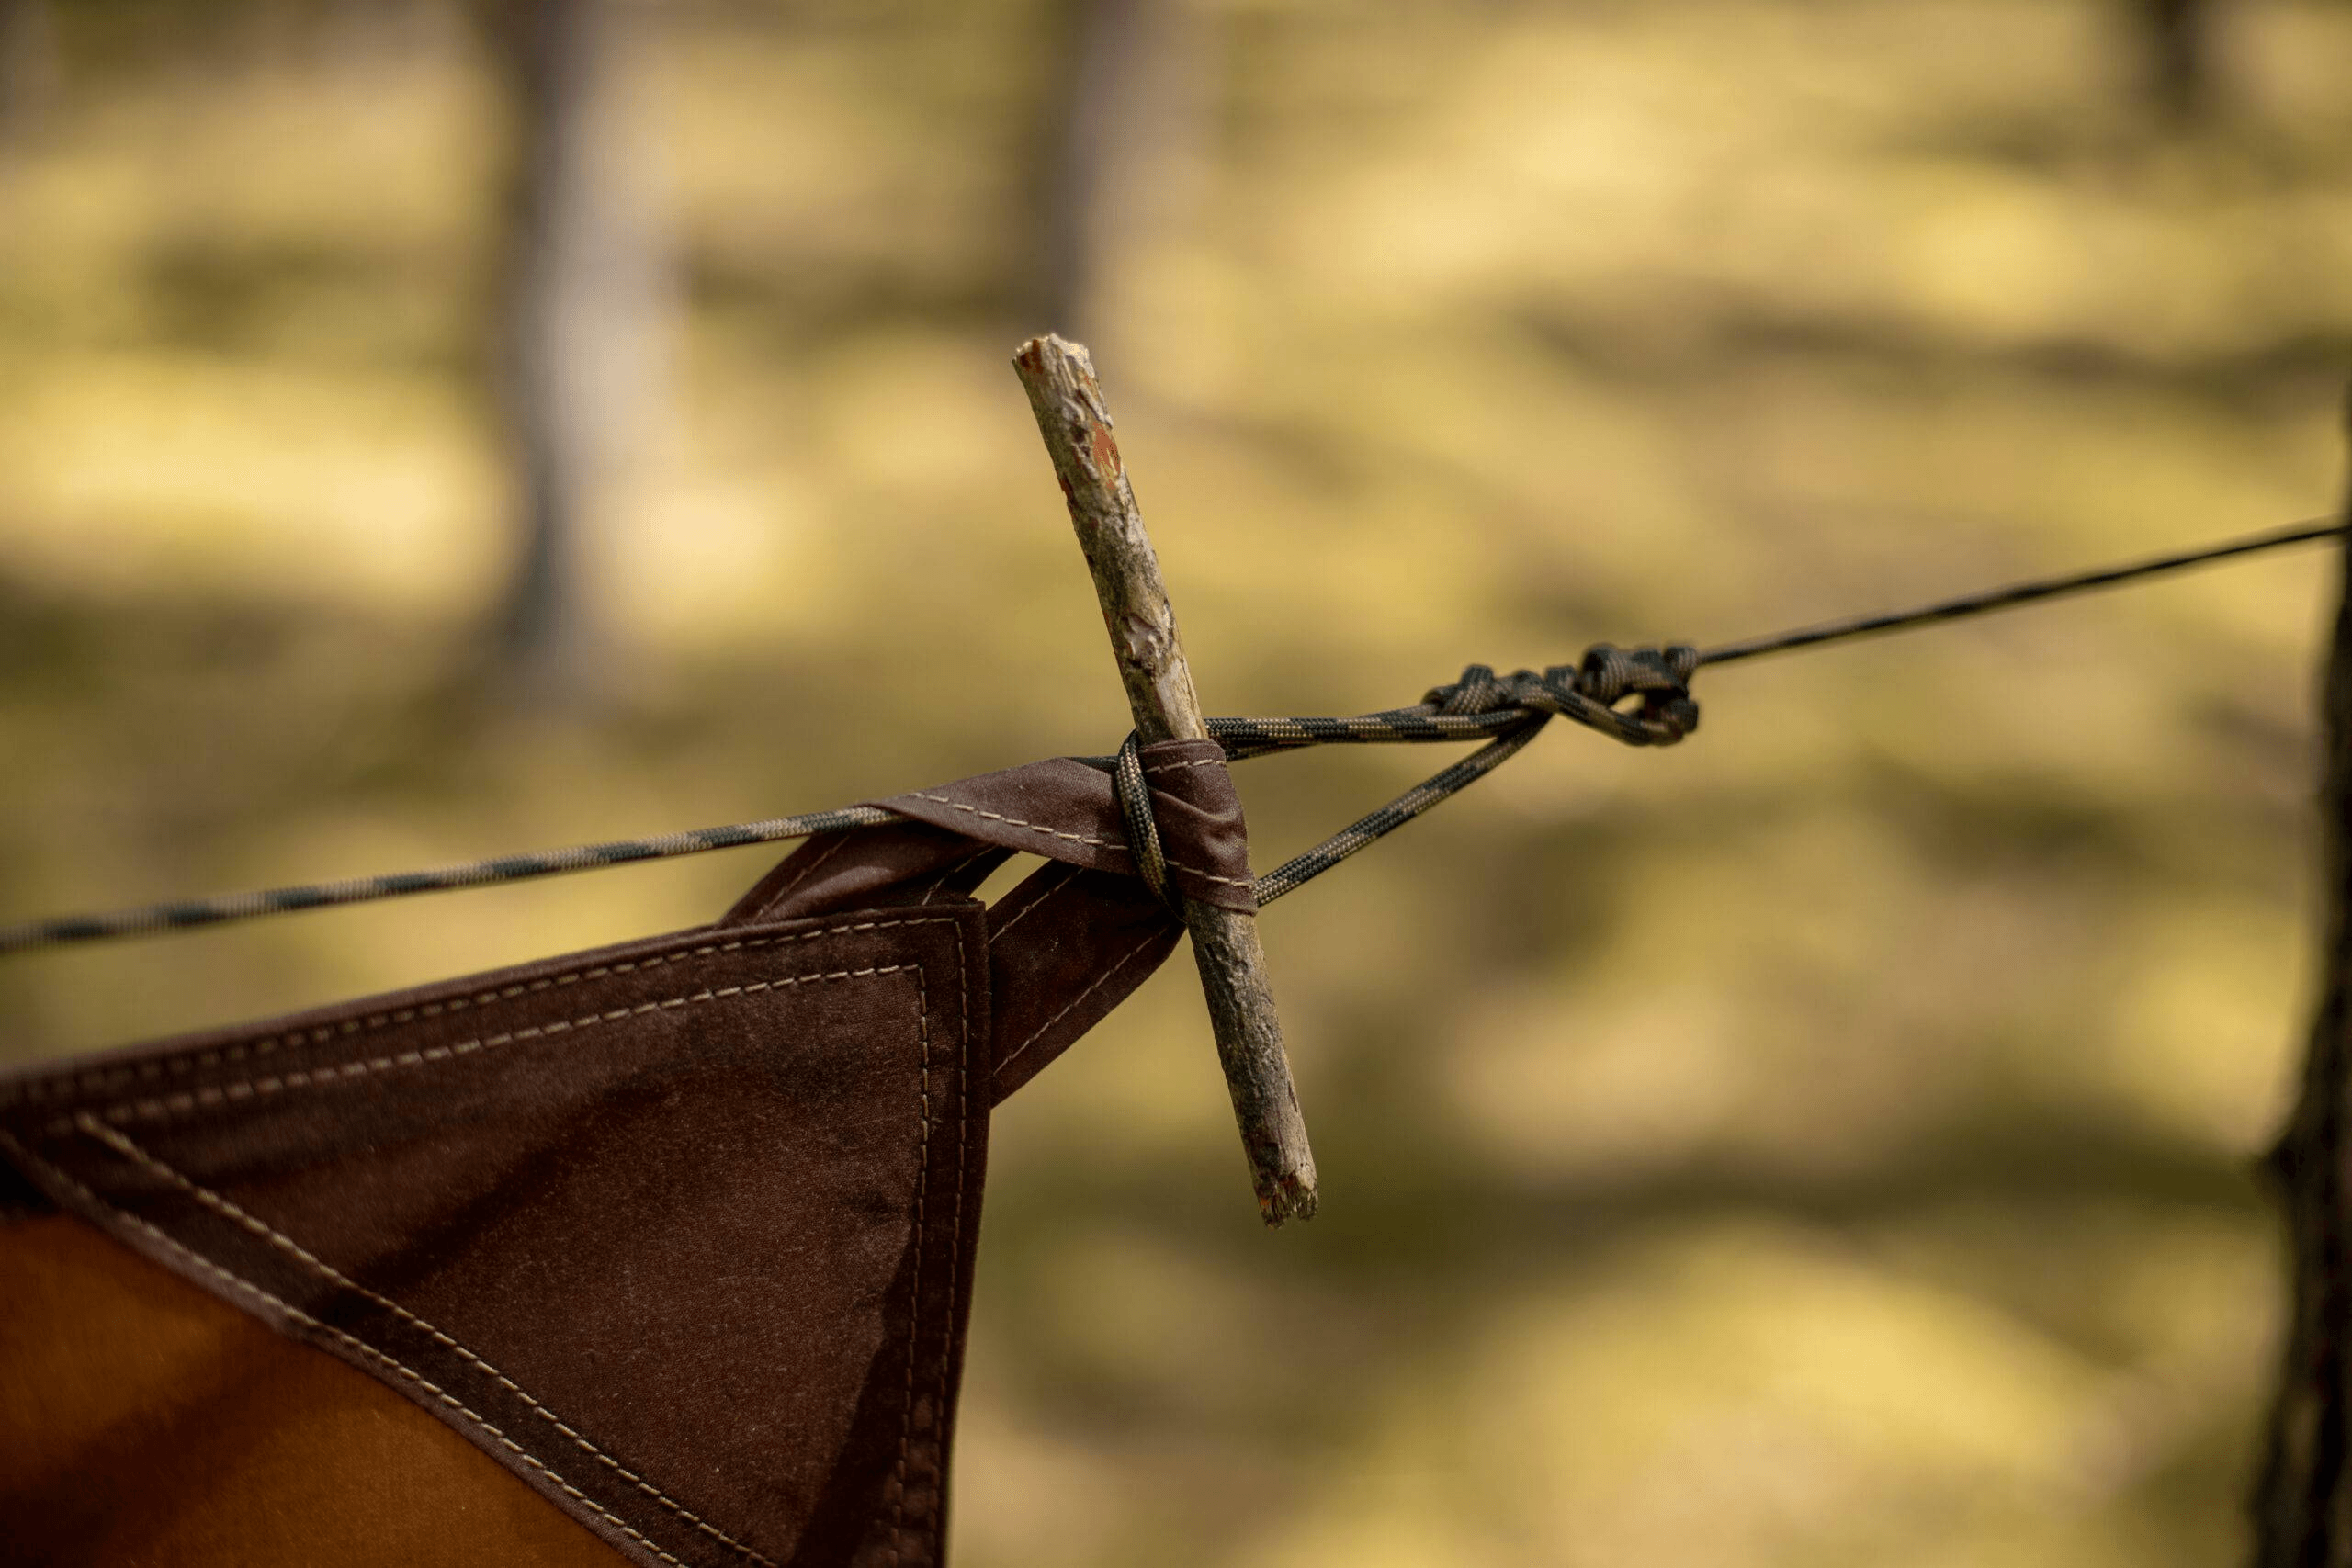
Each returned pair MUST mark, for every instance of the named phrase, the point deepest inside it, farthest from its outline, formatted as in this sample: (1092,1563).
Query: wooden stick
(1068,401)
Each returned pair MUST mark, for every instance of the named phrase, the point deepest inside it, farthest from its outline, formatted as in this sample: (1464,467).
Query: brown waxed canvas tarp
(664,1250)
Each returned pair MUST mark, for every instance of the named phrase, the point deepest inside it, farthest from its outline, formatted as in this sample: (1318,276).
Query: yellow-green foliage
(1822,1144)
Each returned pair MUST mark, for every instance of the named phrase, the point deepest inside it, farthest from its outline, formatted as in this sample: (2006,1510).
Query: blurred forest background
(427,430)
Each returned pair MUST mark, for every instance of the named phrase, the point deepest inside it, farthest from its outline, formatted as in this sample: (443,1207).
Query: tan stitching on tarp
(1210,875)
(122,1145)
(256,1291)
(1150,937)
(806,871)
(1068,874)
(1017,822)
(963,1157)
(956,1238)
(914,1292)
(40,1088)
(1079,839)
(320,1033)
(210,1095)
(939,884)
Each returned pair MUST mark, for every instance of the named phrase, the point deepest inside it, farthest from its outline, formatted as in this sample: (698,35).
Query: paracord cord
(1505,712)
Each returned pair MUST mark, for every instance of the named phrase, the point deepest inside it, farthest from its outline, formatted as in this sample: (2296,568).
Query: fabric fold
(1063,810)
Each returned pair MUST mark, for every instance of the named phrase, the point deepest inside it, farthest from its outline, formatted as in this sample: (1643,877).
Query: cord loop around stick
(1132,791)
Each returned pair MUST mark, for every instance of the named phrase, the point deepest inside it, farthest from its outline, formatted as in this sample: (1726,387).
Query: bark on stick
(1068,401)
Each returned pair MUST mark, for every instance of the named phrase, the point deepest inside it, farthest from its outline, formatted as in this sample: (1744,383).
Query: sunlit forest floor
(1825,1143)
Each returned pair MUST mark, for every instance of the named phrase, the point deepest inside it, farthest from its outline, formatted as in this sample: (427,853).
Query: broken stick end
(1284,1198)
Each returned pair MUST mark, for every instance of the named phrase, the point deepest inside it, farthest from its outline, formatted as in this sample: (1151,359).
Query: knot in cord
(1504,711)
(1588,693)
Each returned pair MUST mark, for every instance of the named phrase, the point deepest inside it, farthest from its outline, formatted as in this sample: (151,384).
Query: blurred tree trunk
(1104,34)
(579,298)
(2178,37)
(1126,111)
(2302,1502)
(30,69)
